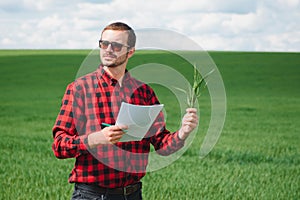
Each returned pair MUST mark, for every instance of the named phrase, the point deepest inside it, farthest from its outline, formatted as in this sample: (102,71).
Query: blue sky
(247,25)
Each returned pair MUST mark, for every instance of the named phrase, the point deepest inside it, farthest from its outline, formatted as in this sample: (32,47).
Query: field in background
(256,157)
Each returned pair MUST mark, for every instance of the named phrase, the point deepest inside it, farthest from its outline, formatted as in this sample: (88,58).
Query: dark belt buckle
(127,190)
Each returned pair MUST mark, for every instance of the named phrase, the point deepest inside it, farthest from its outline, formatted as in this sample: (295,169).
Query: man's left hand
(189,123)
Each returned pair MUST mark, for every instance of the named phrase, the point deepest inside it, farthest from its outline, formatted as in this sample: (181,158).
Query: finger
(114,128)
(115,141)
(123,127)
(119,128)
(112,135)
(191,119)
(191,110)
(192,124)
(118,133)
(191,114)
(115,138)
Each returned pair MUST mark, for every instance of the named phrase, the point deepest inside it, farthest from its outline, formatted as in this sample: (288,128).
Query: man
(106,168)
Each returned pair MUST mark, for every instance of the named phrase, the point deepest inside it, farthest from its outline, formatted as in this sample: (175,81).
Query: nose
(109,48)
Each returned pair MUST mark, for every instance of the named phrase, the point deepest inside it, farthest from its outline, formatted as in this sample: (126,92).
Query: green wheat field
(256,157)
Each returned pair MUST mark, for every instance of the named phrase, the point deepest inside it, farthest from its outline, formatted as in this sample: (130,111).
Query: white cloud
(252,25)
(38,5)
(51,23)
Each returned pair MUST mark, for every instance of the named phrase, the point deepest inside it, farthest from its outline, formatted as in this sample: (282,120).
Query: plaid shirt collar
(102,74)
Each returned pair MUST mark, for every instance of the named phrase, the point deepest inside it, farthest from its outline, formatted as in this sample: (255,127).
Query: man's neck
(116,72)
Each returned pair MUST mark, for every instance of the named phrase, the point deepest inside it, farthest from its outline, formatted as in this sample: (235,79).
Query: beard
(119,60)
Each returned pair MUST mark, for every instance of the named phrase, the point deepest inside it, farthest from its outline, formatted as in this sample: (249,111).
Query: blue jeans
(83,192)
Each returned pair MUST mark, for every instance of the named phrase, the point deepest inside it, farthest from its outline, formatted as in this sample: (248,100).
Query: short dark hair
(120,26)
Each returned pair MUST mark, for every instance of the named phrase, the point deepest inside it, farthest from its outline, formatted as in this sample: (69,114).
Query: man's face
(109,56)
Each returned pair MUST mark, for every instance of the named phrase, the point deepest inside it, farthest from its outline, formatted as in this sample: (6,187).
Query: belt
(119,191)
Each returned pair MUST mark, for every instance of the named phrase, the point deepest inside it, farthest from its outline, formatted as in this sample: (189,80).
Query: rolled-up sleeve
(164,142)
(67,142)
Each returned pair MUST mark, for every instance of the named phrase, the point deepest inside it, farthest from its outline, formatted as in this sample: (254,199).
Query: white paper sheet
(138,119)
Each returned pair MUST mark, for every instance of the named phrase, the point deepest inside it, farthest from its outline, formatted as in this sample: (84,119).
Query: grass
(256,157)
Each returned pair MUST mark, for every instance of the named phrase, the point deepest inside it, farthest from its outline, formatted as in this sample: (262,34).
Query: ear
(131,52)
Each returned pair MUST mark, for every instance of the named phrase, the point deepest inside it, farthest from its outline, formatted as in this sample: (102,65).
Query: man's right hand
(108,135)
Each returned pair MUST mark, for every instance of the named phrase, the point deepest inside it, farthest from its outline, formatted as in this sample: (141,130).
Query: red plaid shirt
(96,98)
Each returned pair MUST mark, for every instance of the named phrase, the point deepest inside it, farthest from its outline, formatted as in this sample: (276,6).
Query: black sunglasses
(103,44)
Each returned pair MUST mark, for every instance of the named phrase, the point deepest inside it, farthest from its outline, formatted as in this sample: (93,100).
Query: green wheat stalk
(195,92)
